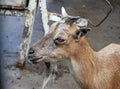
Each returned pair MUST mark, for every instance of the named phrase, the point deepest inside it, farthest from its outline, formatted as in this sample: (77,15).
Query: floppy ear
(81,32)
(63,12)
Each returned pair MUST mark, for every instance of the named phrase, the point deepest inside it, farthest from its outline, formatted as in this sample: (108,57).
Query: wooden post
(44,12)
(27,33)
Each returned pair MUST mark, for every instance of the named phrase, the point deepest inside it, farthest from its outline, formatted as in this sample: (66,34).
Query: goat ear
(82,22)
(54,16)
(71,19)
(80,33)
(63,12)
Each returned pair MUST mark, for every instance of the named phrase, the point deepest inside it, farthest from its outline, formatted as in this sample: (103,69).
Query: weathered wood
(13,12)
(13,4)
(44,12)
(28,28)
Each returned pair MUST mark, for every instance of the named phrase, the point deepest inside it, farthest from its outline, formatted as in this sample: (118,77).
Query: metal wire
(96,25)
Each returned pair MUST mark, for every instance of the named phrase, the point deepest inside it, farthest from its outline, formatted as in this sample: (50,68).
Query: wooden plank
(44,12)
(17,3)
(27,33)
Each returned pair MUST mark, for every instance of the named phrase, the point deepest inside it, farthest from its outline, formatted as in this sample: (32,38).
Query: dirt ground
(32,76)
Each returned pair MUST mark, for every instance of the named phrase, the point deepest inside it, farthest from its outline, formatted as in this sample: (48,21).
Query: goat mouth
(36,60)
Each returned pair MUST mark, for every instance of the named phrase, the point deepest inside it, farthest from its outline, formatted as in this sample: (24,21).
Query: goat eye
(59,40)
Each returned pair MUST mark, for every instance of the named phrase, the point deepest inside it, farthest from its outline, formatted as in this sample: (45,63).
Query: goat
(67,41)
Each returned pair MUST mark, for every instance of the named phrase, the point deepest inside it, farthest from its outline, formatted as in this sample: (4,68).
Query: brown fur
(91,70)
(97,70)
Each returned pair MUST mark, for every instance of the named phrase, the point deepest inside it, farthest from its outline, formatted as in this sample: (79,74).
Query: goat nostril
(31,51)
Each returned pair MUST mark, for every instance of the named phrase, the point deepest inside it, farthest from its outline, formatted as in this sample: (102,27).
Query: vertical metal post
(27,33)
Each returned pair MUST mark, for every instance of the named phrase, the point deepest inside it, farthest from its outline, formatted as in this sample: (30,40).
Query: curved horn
(63,12)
